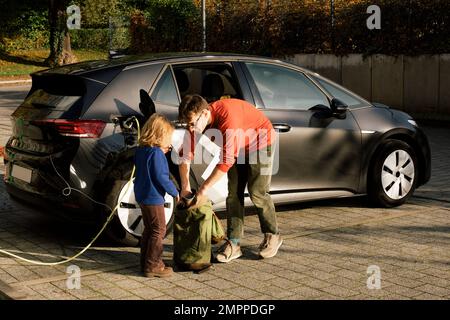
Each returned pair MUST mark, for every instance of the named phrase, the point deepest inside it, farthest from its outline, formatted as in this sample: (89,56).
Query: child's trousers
(152,237)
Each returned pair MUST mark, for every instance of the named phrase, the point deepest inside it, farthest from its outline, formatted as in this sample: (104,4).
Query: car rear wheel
(393,176)
(127,225)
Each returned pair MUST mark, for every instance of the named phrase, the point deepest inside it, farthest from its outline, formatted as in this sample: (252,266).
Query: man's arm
(214,177)
(186,156)
(184,169)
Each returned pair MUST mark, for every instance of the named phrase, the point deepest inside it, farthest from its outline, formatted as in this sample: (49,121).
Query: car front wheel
(393,176)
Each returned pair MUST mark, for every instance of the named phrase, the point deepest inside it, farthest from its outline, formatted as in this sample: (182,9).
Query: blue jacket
(152,176)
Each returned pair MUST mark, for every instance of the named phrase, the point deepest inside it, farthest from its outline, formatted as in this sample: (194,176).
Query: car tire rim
(397,174)
(130,214)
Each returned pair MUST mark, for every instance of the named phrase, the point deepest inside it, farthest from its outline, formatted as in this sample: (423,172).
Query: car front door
(316,151)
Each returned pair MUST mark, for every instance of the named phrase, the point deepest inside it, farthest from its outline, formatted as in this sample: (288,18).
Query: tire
(127,226)
(393,174)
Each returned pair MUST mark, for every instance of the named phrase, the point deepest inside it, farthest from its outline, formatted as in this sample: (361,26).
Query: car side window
(339,93)
(283,88)
(165,90)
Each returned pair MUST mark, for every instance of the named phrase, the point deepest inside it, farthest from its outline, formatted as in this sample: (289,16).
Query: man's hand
(200,199)
(185,192)
(201,191)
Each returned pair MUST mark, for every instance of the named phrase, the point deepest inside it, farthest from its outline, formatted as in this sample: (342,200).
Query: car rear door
(316,151)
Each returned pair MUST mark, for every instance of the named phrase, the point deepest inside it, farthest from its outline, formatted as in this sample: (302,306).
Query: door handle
(282,127)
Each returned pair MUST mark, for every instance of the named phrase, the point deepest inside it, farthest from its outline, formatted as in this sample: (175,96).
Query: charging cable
(66,192)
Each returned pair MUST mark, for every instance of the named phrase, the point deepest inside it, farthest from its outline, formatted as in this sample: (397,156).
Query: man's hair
(191,104)
(157,132)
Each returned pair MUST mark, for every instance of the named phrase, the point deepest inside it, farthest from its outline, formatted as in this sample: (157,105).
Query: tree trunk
(60,50)
(67,56)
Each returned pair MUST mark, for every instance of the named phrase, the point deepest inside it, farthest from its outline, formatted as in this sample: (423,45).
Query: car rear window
(59,84)
(42,99)
(62,92)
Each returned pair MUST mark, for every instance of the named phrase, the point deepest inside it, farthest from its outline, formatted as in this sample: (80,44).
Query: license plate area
(21,173)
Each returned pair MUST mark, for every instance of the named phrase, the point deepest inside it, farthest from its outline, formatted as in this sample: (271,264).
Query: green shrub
(96,13)
(90,38)
(27,30)
(166,25)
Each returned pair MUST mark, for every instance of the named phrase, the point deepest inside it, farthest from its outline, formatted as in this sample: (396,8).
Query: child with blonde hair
(151,184)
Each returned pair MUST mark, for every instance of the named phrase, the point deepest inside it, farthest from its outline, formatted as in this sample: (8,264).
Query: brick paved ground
(328,247)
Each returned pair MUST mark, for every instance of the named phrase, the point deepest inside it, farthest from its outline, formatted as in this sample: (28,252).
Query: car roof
(169,57)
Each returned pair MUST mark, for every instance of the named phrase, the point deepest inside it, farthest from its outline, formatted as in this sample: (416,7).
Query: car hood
(397,114)
(380,105)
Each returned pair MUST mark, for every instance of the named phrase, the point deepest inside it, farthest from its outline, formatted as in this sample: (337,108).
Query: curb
(9,293)
(5,83)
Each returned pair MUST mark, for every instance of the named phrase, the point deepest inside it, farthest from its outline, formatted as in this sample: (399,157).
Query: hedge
(278,27)
(267,27)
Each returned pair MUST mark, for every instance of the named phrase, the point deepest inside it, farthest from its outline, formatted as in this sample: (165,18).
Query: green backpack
(194,230)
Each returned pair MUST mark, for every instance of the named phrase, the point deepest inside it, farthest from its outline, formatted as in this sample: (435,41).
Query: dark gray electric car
(72,134)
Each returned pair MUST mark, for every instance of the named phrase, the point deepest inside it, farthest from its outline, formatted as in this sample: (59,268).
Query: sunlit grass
(21,63)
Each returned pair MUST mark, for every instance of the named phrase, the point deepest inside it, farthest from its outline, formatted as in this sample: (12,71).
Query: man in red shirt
(247,140)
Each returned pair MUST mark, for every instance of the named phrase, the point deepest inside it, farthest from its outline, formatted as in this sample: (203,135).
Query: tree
(96,13)
(60,50)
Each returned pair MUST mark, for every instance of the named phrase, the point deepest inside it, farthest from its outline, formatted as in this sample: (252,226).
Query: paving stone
(192,285)
(83,293)
(438,291)
(427,296)
(114,292)
(221,284)
(146,293)
(340,292)
(283,283)
(243,293)
(276,292)
(129,284)
(403,291)
(179,293)
(49,291)
(305,292)
(314,283)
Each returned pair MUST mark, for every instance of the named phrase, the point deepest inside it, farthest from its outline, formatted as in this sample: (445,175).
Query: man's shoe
(270,245)
(164,272)
(228,252)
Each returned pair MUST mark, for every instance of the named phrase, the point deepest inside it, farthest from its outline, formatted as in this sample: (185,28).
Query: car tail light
(75,128)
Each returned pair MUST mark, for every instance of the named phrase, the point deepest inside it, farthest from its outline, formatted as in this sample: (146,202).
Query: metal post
(333,22)
(204,24)
(409,23)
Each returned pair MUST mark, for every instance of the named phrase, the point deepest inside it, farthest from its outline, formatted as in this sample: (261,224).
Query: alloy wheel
(129,212)
(397,174)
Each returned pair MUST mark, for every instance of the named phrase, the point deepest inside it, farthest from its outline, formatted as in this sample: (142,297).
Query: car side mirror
(146,104)
(339,108)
